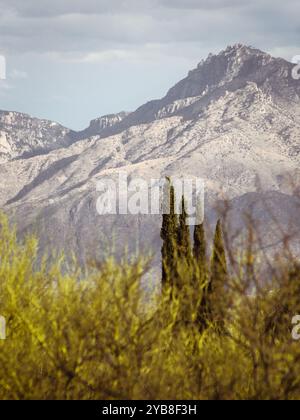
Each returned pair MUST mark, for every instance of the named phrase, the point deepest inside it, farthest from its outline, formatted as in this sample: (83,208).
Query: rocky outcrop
(99,125)
(25,136)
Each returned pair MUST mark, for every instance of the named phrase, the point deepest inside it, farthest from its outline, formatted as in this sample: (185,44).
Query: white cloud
(96,28)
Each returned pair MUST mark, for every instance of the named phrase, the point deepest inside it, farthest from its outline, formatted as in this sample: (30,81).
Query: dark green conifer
(213,306)
(169,236)
(183,236)
(218,265)
(199,251)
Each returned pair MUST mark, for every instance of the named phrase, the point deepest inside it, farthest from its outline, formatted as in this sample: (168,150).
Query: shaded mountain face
(234,121)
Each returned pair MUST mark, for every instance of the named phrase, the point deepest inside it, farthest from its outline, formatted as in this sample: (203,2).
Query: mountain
(229,71)
(233,121)
(25,136)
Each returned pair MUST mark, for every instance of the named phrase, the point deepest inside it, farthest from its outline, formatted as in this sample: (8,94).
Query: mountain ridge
(239,132)
(214,76)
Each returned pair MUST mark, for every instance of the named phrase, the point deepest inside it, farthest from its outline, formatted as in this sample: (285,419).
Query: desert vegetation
(214,330)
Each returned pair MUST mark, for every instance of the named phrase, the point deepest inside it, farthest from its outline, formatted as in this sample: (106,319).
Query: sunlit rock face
(22,135)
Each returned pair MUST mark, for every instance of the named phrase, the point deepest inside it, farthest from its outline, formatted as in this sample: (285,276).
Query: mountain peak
(236,48)
(233,67)
(231,70)
(236,51)
(233,58)
(244,51)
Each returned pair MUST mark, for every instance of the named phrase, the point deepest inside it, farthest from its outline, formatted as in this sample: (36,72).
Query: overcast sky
(74,60)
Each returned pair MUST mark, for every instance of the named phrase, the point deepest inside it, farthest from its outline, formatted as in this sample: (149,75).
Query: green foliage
(200,249)
(201,277)
(98,336)
(214,304)
(285,303)
(218,264)
(183,236)
(169,236)
(185,273)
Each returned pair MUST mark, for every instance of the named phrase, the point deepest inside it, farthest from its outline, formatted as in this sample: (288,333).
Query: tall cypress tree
(218,265)
(218,280)
(184,276)
(199,251)
(201,274)
(213,306)
(169,236)
(183,236)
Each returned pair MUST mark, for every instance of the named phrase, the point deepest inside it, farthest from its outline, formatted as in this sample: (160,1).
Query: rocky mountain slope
(231,70)
(234,121)
(25,136)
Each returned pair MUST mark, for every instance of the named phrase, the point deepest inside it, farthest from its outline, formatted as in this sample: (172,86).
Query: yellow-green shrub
(100,336)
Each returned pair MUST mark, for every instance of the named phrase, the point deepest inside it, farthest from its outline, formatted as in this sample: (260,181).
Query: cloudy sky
(74,60)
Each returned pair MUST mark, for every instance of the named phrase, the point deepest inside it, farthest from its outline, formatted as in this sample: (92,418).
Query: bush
(100,336)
